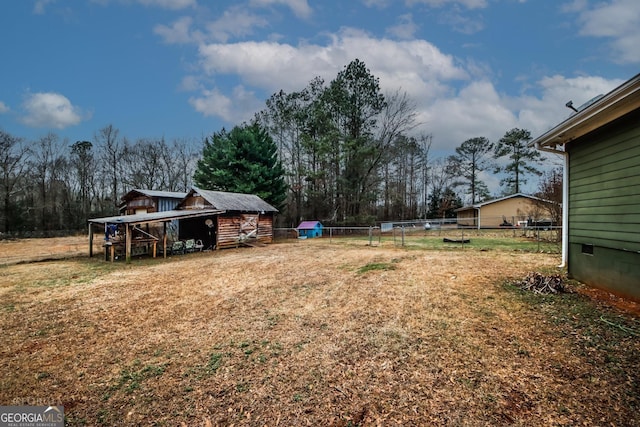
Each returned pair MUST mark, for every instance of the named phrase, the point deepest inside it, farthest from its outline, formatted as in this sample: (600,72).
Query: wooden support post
(90,240)
(164,239)
(128,235)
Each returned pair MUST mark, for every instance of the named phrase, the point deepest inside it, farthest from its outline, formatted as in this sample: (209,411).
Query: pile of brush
(541,284)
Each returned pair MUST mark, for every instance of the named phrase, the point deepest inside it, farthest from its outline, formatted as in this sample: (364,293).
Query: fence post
(370,236)
(330,234)
(403,236)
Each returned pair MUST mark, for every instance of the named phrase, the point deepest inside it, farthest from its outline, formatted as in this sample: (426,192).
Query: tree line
(353,155)
(341,152)
(51,185)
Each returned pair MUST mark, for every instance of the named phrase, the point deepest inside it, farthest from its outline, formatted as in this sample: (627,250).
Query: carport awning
(130,221)
(146,218)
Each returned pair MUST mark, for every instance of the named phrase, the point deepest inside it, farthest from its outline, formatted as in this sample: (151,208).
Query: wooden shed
(511,210)
(218,219)
(601,225)
(244,219)
(309,229)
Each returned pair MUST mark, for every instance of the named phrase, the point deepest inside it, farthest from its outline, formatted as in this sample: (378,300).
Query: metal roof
(306,225)
(489,202)
(153,217)
(620,101)
(157,193)
(233,201)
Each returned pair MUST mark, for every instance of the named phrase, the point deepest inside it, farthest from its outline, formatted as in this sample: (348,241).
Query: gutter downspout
(565,200)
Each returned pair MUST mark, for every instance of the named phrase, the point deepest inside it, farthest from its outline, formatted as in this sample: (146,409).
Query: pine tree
(514,146)
(468,162)
(244,160)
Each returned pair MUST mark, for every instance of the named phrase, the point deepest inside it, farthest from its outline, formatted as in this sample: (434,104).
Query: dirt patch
(312,333)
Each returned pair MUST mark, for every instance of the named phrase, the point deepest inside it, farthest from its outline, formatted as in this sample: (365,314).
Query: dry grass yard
(313,333)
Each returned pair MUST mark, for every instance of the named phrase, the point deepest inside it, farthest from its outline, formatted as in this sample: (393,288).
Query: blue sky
(186,68)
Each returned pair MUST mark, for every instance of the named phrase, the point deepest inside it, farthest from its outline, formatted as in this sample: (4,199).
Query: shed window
(587,249)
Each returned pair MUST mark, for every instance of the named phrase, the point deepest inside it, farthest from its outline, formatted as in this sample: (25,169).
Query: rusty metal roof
(153,217)
(156,193)
(233,201)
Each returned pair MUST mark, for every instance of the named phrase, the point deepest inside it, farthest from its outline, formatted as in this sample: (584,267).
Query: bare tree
(47,167)
(550,191)
(144,164)
(13,156)
(397,120)
(180,164)
(83,162)
(110,156)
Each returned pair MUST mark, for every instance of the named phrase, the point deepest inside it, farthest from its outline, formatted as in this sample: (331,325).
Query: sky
(183,69)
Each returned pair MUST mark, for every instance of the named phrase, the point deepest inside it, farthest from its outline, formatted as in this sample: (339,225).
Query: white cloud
(539,114)
(40,5)
(51,110)
(170,4)
(455,100)
(381,4)
(3,108)
(469,4)
(618,20)
(462,23)
(238,107)
(177,33)
(416,66)
(235,22)
(164,4)
(476,110)
(405,29)
(299,7)
(190,84)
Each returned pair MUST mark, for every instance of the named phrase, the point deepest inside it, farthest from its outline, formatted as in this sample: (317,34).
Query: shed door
(249,227)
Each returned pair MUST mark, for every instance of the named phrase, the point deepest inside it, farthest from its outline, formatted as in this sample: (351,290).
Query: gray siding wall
(604,207)
(167,204)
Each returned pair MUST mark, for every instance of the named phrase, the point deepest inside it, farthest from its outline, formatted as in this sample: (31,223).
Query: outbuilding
(215,219)
(510,211)
(309,229)
(243,219)
(600,144)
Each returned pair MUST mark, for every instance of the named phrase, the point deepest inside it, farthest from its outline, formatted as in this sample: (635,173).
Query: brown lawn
(313,333)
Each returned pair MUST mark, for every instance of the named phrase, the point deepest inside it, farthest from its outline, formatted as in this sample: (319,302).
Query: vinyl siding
(604,207)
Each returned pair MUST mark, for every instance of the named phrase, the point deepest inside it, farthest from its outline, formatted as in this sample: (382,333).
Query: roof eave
(615,104)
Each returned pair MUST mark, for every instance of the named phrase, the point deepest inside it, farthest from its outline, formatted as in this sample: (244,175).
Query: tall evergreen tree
(244,160)
(514,146)
(471,159)
(355,102)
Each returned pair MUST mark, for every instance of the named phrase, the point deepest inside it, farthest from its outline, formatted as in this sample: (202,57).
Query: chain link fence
(519,235)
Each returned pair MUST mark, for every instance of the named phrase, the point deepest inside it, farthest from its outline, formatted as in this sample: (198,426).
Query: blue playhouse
(309,229)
